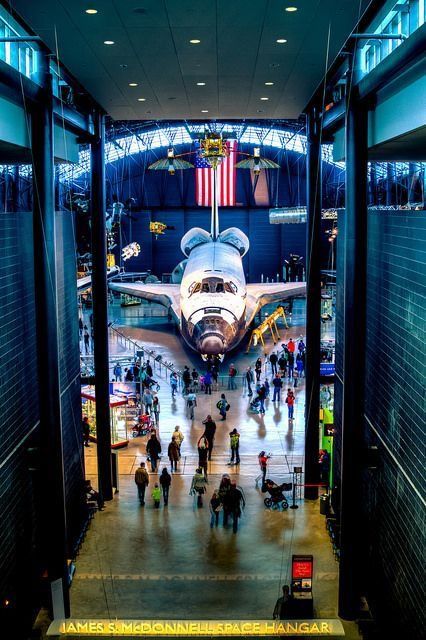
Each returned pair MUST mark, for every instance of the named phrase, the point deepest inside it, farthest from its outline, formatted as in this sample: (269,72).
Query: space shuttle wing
(167,295)
(85,283)
(259,294)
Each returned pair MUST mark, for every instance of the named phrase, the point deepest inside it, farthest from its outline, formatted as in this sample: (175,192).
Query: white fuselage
(213,298)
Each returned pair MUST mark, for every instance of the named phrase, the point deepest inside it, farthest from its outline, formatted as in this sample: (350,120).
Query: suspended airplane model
(213,305)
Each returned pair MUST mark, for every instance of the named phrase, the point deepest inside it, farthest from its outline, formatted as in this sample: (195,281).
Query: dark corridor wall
(392,494)
(270,244)
(23,501)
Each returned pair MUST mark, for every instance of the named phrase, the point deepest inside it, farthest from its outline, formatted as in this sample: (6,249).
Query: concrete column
(355,241)
(313,302)
(100,310)
(54,515)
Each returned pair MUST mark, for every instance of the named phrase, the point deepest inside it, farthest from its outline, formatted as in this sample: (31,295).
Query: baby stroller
(277,498)
(144,425)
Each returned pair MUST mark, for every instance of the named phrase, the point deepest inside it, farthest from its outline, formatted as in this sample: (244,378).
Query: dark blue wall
(19,404)
(23,499)
(395,409)
(393,522)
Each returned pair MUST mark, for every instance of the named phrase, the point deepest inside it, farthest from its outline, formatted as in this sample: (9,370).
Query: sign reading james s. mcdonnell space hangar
(200,628)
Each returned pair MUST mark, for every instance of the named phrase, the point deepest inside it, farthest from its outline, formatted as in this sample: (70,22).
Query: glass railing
(22,56)
(403,19)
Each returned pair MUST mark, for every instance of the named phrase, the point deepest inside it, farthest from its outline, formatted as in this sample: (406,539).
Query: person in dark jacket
(208,383)
(165,482)
(258,369)
(249,380)
(277,383)
(223,406)
(282,363)
(148,369)
(284,605)
(290,364)
(215,509)
(86,431)
(261,394)
(153,450)
(233,505)
(186,379)
(174,453)
(273,359)
(209,433)
(203,453)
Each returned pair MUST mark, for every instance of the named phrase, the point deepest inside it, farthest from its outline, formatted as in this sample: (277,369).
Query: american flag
(226,180)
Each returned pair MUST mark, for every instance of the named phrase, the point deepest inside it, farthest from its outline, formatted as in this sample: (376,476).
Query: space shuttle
(213,304)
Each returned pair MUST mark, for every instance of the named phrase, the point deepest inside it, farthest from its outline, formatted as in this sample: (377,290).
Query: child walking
(156,495)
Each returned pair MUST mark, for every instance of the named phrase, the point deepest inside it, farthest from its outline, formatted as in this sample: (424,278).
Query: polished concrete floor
(146,563)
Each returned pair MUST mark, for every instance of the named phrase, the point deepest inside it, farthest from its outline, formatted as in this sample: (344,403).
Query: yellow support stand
(269,324)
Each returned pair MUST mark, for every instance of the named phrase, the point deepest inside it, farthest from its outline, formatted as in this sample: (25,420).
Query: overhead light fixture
(281,40)
(291,9)
(133,84)
(268,84)
(141,99)
(264,98)
(109,42)
(204,110)
(195,41)
(201,84)
(91,12)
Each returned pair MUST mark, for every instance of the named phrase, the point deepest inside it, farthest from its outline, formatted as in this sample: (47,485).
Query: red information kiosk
(301,586)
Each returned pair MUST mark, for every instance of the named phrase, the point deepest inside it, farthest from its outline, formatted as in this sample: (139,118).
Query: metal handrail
(150,352)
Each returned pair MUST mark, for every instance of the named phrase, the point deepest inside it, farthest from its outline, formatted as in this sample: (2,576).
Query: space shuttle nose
(212,345)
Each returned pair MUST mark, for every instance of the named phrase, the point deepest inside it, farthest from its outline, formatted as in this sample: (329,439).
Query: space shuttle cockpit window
(220,288)
(230,287)
(194,288)
(205,287)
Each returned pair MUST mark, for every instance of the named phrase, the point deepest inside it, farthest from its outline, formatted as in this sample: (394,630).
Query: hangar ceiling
(237,55)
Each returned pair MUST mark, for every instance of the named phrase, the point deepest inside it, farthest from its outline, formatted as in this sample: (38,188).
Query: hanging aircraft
(212,305)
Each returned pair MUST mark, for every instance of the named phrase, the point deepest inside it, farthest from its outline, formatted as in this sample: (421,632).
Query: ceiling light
(291,9)
(269,84)
(141,99)
(91,12)
(195,41)
(201,84)
(109,42)
(281,40)
(133,84)
(264,98)
(204,110)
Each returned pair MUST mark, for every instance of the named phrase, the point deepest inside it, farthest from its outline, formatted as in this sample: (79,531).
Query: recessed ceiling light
(291,9)
(269,84)
(109,42)
(264,98)
(141,99)
(91,12)
(195,41)
(281,40)
(204,110)
(201,84)
(133,84)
